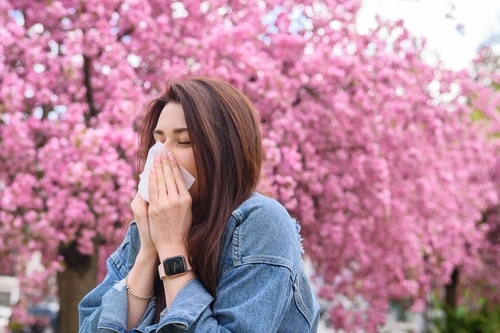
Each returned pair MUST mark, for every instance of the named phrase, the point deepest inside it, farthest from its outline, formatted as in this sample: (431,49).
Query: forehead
(172,116)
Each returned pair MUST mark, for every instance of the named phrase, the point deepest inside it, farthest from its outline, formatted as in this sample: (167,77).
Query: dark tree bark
(451,290)
(79,277)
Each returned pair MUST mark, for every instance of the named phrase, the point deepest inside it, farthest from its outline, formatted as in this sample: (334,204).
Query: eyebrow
(175,131)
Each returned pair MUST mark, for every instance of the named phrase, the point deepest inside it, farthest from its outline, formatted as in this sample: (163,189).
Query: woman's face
(172,131)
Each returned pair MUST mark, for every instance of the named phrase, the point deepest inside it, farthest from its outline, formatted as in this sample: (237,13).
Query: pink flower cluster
(375,151)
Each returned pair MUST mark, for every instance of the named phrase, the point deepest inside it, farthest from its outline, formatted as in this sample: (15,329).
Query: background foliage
(376,152)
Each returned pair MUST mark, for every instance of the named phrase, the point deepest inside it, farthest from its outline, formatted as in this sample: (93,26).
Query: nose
(166,146)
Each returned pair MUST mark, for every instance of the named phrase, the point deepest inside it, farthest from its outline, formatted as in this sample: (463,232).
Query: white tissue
(154,151)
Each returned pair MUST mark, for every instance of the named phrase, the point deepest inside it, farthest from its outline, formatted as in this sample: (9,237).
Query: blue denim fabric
(262,285)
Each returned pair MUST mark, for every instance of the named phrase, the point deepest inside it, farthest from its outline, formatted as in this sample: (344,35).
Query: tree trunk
(451,290)
(79,277)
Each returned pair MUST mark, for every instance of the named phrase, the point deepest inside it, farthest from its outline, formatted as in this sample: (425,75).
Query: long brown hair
(224,131)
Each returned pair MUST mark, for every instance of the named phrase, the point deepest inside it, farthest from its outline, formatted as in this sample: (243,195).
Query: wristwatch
(173,266)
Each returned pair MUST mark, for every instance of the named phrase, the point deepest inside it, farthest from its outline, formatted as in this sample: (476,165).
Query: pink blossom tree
(484,283)
(372,149)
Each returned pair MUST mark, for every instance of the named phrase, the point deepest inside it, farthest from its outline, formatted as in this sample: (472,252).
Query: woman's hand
(169,212)
(141,277)
(140,209)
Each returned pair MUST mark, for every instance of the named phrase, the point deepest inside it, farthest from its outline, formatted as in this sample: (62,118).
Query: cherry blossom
(377,153)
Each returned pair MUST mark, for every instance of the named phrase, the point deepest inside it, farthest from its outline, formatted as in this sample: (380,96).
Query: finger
(176,171)
(153,183)
(184,195)
(168,174)
(138,197)
(139,208)
(161,176)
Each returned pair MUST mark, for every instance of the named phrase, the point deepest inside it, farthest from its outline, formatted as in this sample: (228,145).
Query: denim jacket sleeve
(261,285)
(104,309)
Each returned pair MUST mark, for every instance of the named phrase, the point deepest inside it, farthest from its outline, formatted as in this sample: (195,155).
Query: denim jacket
(261,287)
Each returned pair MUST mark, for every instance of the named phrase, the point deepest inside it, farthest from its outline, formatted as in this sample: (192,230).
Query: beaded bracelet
(135,295)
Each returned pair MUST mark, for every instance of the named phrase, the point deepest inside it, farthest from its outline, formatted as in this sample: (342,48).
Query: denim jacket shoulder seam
(262,260)
(109,326)
(267,260)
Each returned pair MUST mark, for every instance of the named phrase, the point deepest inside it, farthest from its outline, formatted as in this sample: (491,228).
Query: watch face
(174,266)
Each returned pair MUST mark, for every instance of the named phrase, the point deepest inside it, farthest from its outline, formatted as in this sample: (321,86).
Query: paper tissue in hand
(155,151)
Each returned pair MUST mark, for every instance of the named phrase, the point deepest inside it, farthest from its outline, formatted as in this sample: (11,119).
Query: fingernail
(172,158)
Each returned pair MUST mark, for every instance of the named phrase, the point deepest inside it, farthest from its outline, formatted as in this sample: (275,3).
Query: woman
(217,257)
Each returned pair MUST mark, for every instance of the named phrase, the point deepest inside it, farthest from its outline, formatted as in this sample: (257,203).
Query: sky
(453,39)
